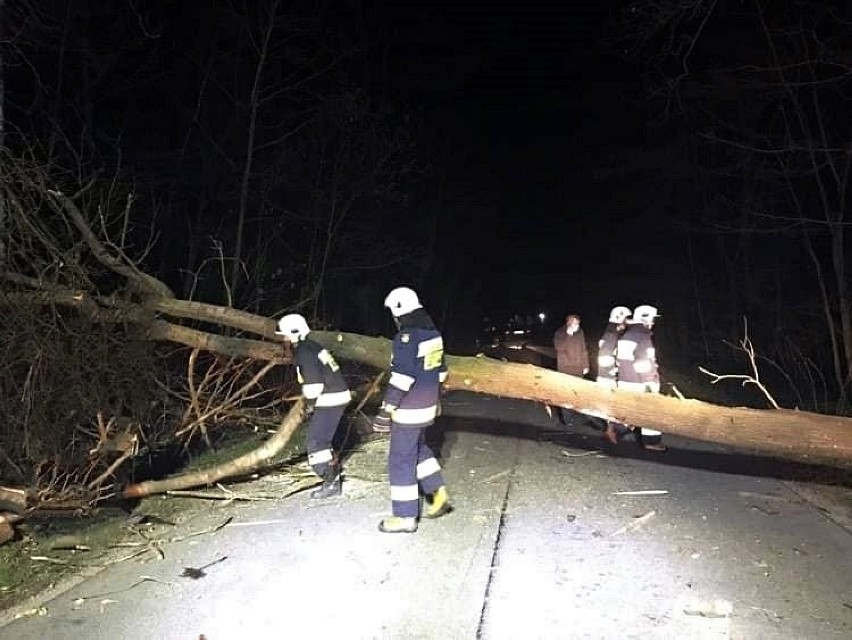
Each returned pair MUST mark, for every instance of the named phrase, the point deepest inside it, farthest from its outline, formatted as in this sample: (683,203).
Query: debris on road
(148,519)
(580,455)
(709,608)
(69,543)
(635,525)
(259,523)
(46,559)
(196,573)
(497,476)
(765,511)
(645,492)
(39,611)
(100,596)
(765,496)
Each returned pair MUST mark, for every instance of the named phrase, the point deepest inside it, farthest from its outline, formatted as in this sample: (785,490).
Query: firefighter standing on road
(409,407)
(637,366)
(327,395)
(608,367)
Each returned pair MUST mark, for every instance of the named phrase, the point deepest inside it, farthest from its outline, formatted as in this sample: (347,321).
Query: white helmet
(401,301)
(294,327)
(644,314)
(619,315)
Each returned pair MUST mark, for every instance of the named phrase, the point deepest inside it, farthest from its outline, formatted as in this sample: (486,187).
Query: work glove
(310,407)
(382,421)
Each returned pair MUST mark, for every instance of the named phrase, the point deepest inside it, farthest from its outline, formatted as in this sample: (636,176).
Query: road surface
(543,543)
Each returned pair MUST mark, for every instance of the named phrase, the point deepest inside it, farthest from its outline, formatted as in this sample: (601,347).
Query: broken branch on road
(643,492)
(637,524)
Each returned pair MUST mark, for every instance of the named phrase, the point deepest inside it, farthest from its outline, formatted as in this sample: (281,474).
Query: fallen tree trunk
(7,530)
(795,434)
(14,500)
(243,464)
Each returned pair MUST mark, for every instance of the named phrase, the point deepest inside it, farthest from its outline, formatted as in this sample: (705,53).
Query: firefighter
(409,406)
(327,395)
(608,345)
(637,366)
(607,367)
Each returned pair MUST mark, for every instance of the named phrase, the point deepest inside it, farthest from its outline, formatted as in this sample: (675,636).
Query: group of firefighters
(409,406)
(626,359)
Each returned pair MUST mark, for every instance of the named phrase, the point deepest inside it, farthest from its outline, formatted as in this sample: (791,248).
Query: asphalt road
(543,543)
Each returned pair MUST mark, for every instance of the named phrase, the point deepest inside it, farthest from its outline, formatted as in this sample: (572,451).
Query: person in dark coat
(572,356)
(572,353)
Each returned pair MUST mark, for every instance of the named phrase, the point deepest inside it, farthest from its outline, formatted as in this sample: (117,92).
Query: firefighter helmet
(401,301)
(619,315)
(294,327)
(645,314)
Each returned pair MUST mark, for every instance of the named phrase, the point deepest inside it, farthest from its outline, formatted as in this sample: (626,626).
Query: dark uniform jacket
(417,370)
(572,354)
(637,358)
(320,376)
(607,348)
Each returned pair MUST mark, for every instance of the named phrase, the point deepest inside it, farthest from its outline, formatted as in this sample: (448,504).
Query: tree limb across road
(795,434)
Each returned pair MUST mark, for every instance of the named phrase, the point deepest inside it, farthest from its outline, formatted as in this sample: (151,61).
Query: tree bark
(241,465)
(14,500)
(795,434)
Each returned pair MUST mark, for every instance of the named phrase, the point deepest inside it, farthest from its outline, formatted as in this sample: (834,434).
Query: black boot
(331,484)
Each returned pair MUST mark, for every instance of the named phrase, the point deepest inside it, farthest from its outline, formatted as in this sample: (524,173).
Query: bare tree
(769,124)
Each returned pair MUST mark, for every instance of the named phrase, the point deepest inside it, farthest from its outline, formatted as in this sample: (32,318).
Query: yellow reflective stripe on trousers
(427,468)
(405,493)
(415,416)
(318,457)
(334,399)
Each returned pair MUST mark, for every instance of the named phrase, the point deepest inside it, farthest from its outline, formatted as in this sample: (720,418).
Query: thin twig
(142,579)
(645,492)
(110,469)
(748,347)
(206,495)
(568,454)
(635,525)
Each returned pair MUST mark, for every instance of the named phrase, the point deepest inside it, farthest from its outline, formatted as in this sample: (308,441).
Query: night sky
(563,157)
(535,94)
